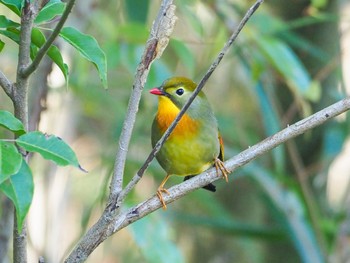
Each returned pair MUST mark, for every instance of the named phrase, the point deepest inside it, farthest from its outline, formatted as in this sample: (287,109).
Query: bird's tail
(210,187)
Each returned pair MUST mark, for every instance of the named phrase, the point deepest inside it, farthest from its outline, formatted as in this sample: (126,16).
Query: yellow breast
(166,114)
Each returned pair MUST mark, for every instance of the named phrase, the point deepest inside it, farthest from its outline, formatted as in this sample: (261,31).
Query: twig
(200,86)
(25,72)
(137,212)
(6,84)
(158,40)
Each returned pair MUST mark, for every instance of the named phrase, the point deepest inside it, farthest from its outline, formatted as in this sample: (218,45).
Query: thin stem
(6,84)
(25,72)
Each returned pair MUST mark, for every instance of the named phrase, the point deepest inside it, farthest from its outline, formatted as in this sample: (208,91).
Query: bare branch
(157,42)
(137,212)
(6,84)
(200,86)
(25,72)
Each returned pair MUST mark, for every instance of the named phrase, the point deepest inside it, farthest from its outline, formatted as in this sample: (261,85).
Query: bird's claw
(219,165)
(160,196)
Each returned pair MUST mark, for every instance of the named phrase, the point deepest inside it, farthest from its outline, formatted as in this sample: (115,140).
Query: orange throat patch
(166,114)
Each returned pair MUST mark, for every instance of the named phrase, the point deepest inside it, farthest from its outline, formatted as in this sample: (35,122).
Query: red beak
(156,91)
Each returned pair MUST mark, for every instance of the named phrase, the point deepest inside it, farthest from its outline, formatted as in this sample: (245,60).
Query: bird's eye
(180,91)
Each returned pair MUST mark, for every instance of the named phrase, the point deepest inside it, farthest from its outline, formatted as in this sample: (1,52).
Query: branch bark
(6,84)
(6,220)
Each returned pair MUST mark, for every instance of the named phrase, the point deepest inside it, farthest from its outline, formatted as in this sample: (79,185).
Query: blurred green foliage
(273,210)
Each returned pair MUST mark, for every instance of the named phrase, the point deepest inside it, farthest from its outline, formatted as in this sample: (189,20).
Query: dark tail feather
(210,187)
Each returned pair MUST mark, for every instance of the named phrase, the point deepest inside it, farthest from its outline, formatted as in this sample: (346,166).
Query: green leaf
(8,121)
(10,160)
(38,39)
(5,23)
(152,236)
(50,147)
(11,34)
(88,48)
(19,188)
(2,44)
(14,5)
(49,11)
(319,3)
(134,33)
(287,64)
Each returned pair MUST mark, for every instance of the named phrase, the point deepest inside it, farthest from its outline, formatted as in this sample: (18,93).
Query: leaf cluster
(16,179)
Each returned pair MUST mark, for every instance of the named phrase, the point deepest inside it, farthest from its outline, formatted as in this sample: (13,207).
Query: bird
(195,144)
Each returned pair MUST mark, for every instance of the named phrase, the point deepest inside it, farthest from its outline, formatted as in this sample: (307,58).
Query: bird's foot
(219,165)
(160,196)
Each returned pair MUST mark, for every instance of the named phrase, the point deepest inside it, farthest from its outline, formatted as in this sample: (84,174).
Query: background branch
(6,219)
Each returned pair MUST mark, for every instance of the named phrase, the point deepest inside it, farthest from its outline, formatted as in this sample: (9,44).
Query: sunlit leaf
(10,160)
(88,48)
(49,11)
(19,188)
(50,147)
(8,121)
(14,5)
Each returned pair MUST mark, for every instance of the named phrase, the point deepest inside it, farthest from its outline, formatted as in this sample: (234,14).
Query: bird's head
(178,90)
